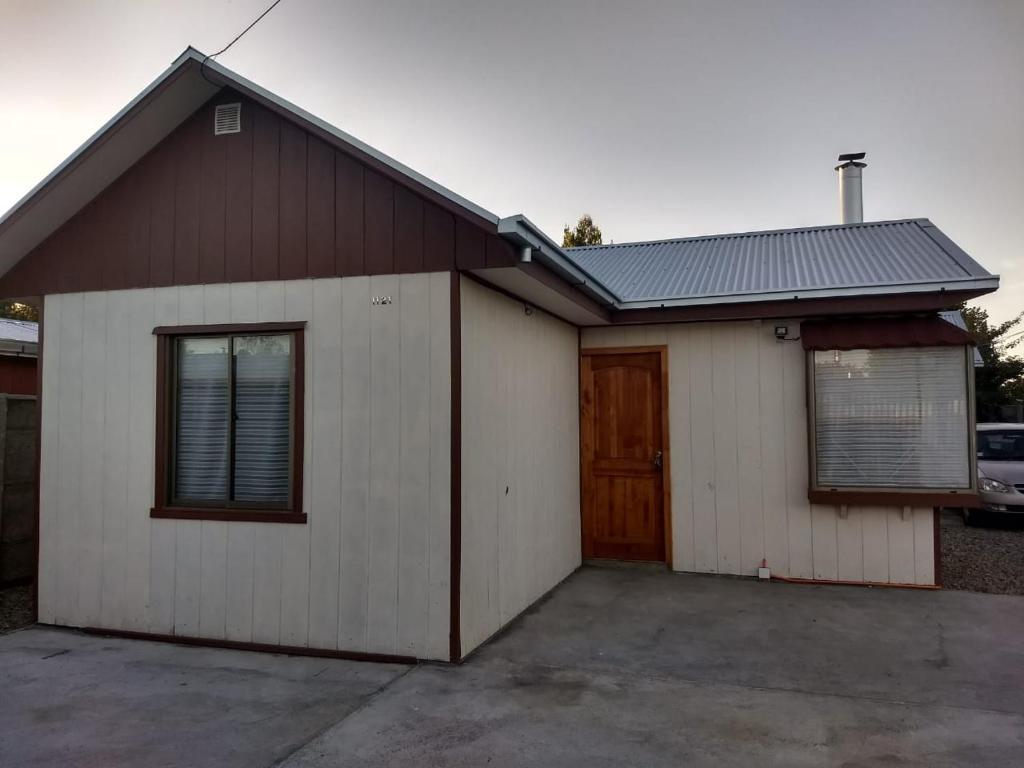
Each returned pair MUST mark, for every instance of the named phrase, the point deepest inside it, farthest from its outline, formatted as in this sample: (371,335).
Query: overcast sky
(660,119)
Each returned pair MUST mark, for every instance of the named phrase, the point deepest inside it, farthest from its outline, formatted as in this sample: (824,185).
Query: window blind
(233,419)
(263,418)
(891,418)
(203,419)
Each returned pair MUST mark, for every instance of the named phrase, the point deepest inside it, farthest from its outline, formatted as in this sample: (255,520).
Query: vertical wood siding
(271,202)
(738,426)
(368,572)
(520,459)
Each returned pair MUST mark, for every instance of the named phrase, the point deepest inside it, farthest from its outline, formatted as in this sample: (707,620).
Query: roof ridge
(752,233)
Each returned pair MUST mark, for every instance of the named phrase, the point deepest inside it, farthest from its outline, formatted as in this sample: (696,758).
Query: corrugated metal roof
(758,266)
(19,330)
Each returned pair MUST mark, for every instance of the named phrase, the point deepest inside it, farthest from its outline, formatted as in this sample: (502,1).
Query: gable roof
(18,330)
(150,117)
(904,256)
(18,338)
(910,263)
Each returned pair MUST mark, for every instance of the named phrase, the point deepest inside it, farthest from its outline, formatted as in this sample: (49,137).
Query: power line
(237,38)
(1018,333)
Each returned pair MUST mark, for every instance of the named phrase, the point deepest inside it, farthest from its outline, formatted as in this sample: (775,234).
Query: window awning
(878,333)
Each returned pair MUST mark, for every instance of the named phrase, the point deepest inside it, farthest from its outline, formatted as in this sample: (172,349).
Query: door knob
(657,460)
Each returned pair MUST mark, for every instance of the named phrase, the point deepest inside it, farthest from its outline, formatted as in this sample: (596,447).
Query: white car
(1000,470)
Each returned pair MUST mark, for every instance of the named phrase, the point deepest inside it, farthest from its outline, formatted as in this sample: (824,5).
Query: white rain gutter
(535,246)
(958,284)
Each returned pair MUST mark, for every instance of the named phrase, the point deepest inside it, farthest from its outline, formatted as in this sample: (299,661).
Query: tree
(584,233)
(15,310)
(1000,381)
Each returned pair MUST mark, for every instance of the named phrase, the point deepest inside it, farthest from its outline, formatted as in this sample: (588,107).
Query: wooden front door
(624,453)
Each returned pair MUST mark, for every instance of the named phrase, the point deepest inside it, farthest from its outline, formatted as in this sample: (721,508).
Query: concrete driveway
(68,699)
(618,667)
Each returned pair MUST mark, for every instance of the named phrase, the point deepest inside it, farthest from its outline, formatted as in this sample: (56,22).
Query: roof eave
(523,233)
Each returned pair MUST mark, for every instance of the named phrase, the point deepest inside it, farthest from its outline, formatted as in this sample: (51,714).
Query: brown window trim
(894,498)
(162,508)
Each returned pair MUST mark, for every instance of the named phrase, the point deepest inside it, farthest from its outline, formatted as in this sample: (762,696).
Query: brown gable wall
(272,202)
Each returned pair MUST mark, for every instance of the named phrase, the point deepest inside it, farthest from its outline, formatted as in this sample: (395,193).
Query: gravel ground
(15,608)
(983,559)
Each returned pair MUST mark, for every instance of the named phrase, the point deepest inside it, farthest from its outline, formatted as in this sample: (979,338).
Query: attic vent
(227,118)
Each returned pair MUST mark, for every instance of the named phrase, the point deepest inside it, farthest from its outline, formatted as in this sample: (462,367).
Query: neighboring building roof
(956,317)
(19,330)
(910,255)
(18,337)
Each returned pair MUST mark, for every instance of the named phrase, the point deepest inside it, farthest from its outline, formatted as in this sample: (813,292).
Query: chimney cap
(852,158)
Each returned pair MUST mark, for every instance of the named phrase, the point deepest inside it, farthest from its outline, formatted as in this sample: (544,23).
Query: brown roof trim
(455,525)
(850,305)
(882,332)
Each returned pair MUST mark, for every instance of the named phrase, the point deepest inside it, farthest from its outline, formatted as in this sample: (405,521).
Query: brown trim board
(895,498)
(666,458)
(937,538)
(239,645)
(455,553)
(38,453)
(640,348)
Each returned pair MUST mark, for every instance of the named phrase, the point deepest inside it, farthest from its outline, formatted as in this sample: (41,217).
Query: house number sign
(380,301)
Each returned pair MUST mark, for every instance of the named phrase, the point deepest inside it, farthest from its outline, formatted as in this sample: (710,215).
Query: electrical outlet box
(764,574)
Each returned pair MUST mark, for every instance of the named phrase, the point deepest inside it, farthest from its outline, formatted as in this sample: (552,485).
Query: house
(297,396)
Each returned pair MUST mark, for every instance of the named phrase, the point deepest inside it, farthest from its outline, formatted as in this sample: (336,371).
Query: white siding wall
(738,431)
(370,570)
(520,459)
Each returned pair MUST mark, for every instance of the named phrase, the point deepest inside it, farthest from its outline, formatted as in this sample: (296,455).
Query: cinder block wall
(17,488)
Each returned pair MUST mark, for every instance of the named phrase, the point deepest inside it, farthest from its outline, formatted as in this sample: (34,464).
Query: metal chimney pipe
(851,196)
